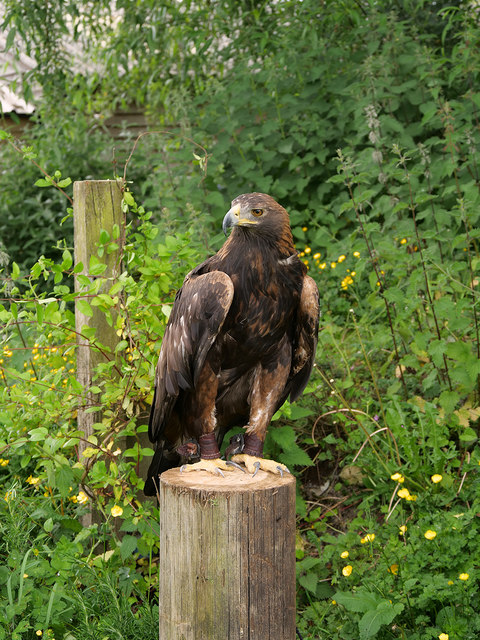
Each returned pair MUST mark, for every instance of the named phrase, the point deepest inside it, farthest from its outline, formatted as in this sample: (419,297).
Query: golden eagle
(240,339)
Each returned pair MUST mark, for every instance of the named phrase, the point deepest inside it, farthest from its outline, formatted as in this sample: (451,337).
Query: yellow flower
(307,249)
(25,575)
(33,481)
(4,462)
(463,576)
(403,241)
(334,602)
(82,497)
(450,582)
(430,535)
(370,537)
(393,569)
(304,228)
(333,265)
(404,493)
(322,266)
(344,554)
(411,498)
(397,477)
(316,256)
(356,254)
(39,632)
(116,511)
(347,570)
(436,478)
(443,636)
(403,529)
(341,258)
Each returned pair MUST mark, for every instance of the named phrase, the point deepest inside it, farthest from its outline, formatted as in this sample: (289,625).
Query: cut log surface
(227,556)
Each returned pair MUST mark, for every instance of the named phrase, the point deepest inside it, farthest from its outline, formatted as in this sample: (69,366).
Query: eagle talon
(214,465)
(234,464)
(253,464)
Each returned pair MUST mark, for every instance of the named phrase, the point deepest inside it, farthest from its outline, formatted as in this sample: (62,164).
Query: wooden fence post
(227,556)
(97,207)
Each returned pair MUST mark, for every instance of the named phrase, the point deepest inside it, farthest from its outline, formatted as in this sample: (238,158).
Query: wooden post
(97,207)
(227,556)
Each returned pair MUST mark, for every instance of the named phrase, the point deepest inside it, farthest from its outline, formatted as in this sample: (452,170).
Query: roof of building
(12,69)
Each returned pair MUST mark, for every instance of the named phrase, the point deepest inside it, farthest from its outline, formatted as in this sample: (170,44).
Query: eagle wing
(197,317)
(305,339)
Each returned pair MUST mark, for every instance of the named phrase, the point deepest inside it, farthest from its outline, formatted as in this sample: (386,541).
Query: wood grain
(227,556)
(97,206)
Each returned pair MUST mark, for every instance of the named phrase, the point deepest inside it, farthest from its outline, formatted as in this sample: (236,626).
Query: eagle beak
(231,219)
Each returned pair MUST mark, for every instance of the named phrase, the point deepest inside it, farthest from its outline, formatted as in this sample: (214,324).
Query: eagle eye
(257,212)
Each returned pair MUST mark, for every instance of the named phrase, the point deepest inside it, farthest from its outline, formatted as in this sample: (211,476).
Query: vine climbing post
(97,209)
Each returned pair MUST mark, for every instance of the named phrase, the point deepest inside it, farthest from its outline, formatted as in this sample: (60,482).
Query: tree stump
(227,556)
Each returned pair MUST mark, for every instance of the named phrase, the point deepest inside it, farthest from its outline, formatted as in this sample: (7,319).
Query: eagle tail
(164,458)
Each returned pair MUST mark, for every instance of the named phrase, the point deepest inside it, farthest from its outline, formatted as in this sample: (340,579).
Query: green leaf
(128,546)
(449,400)
(64,479)
(38,434)
(10,38)
(48,525)
(67,260)
(309,582)
(128,198)
(96,268)
(459,350)
(41,182)
(84,307)
(358,602)
(371,622)
(15,270)
(297,411)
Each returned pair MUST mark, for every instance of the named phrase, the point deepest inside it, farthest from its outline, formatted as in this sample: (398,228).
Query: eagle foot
(215,466)
(253,464)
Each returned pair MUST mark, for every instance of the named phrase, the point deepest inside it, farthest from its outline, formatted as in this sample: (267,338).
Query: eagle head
(258,212)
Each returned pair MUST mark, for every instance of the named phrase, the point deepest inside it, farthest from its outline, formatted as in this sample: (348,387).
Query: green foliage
(47,481)
(362,119)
